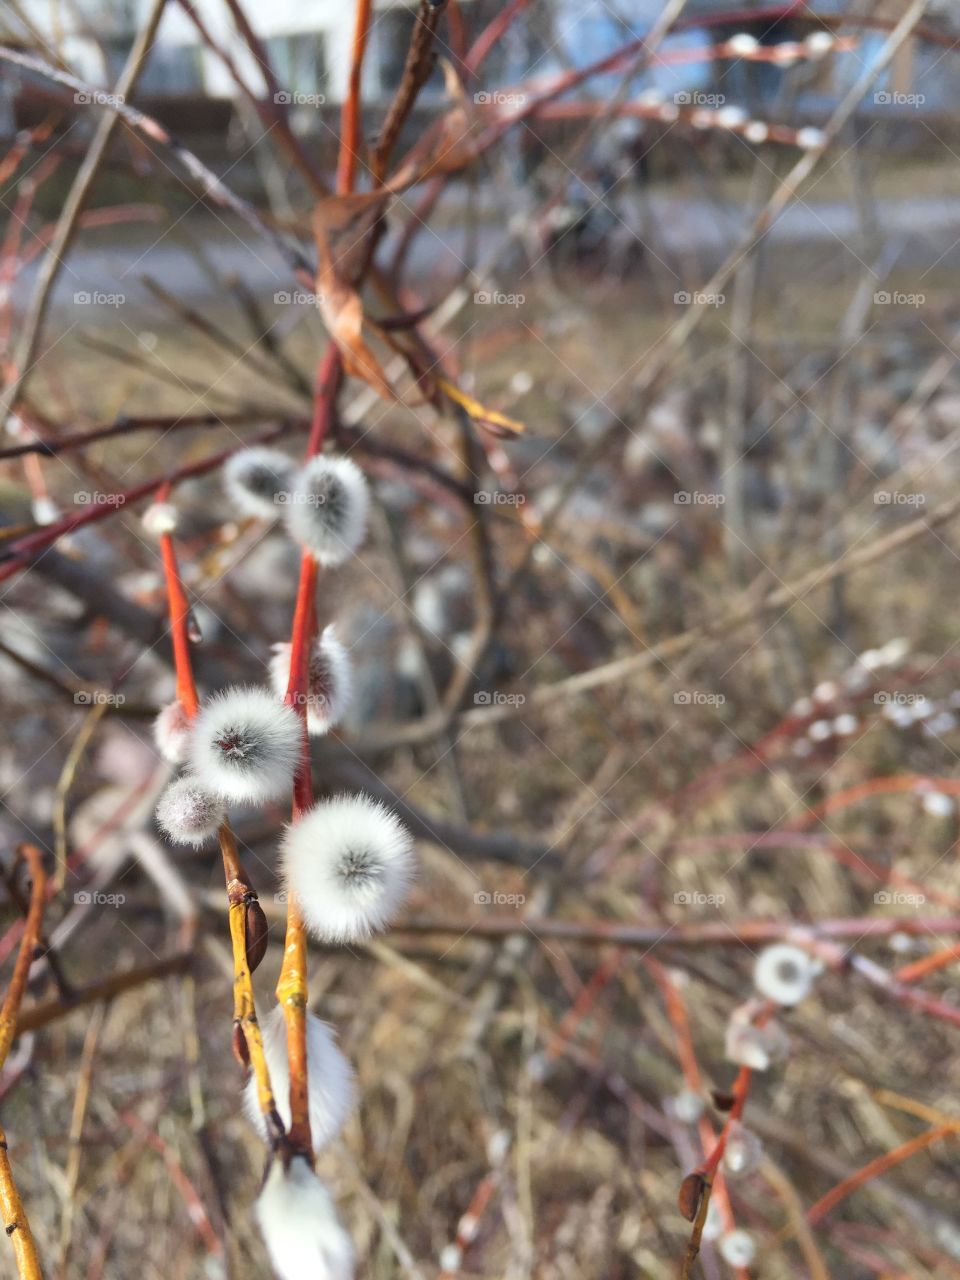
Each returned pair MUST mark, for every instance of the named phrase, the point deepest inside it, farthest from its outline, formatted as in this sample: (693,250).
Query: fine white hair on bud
(349,861)
(329,1079)
(245,745)
(327,511)
(188,812)
(752,1045)
(160,518)
(785,974)
(257,481)
(743,1151)
(737,1248)
(171,732)
(300,1227)
(329,680)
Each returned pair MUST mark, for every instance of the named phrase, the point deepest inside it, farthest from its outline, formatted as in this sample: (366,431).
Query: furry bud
(188,812)
(329,1079)
(160,518)
(784,973)
(737,1248)
(171,732)
(328,508)
(300,1226)
(349,861)
(245,745)
(754,1046)
(329,680)
(257,481)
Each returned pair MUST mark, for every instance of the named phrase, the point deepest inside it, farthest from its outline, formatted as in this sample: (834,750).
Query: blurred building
(307,42)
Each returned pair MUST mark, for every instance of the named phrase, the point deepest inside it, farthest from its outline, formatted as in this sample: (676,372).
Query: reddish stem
(350,117)
(179,608)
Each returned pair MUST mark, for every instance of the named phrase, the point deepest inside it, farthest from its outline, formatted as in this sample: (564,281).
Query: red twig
(179,608)
(880,1165)
(350,117)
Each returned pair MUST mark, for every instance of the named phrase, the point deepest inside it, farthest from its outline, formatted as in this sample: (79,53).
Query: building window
(299,62)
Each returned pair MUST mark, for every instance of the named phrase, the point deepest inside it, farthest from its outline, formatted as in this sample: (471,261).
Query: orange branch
(15,1222)
(292,988)
(350,116)
(874,1168)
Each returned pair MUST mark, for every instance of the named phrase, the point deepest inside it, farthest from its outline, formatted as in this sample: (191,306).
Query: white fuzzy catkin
(245,745)
(349,861)
(737,1248)
(258,481)
(329,1079)
(754,1046)
(784,973)
(300,1227)
(188,812)
(171,732)
(327,511)
(329,680)
(160,518)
